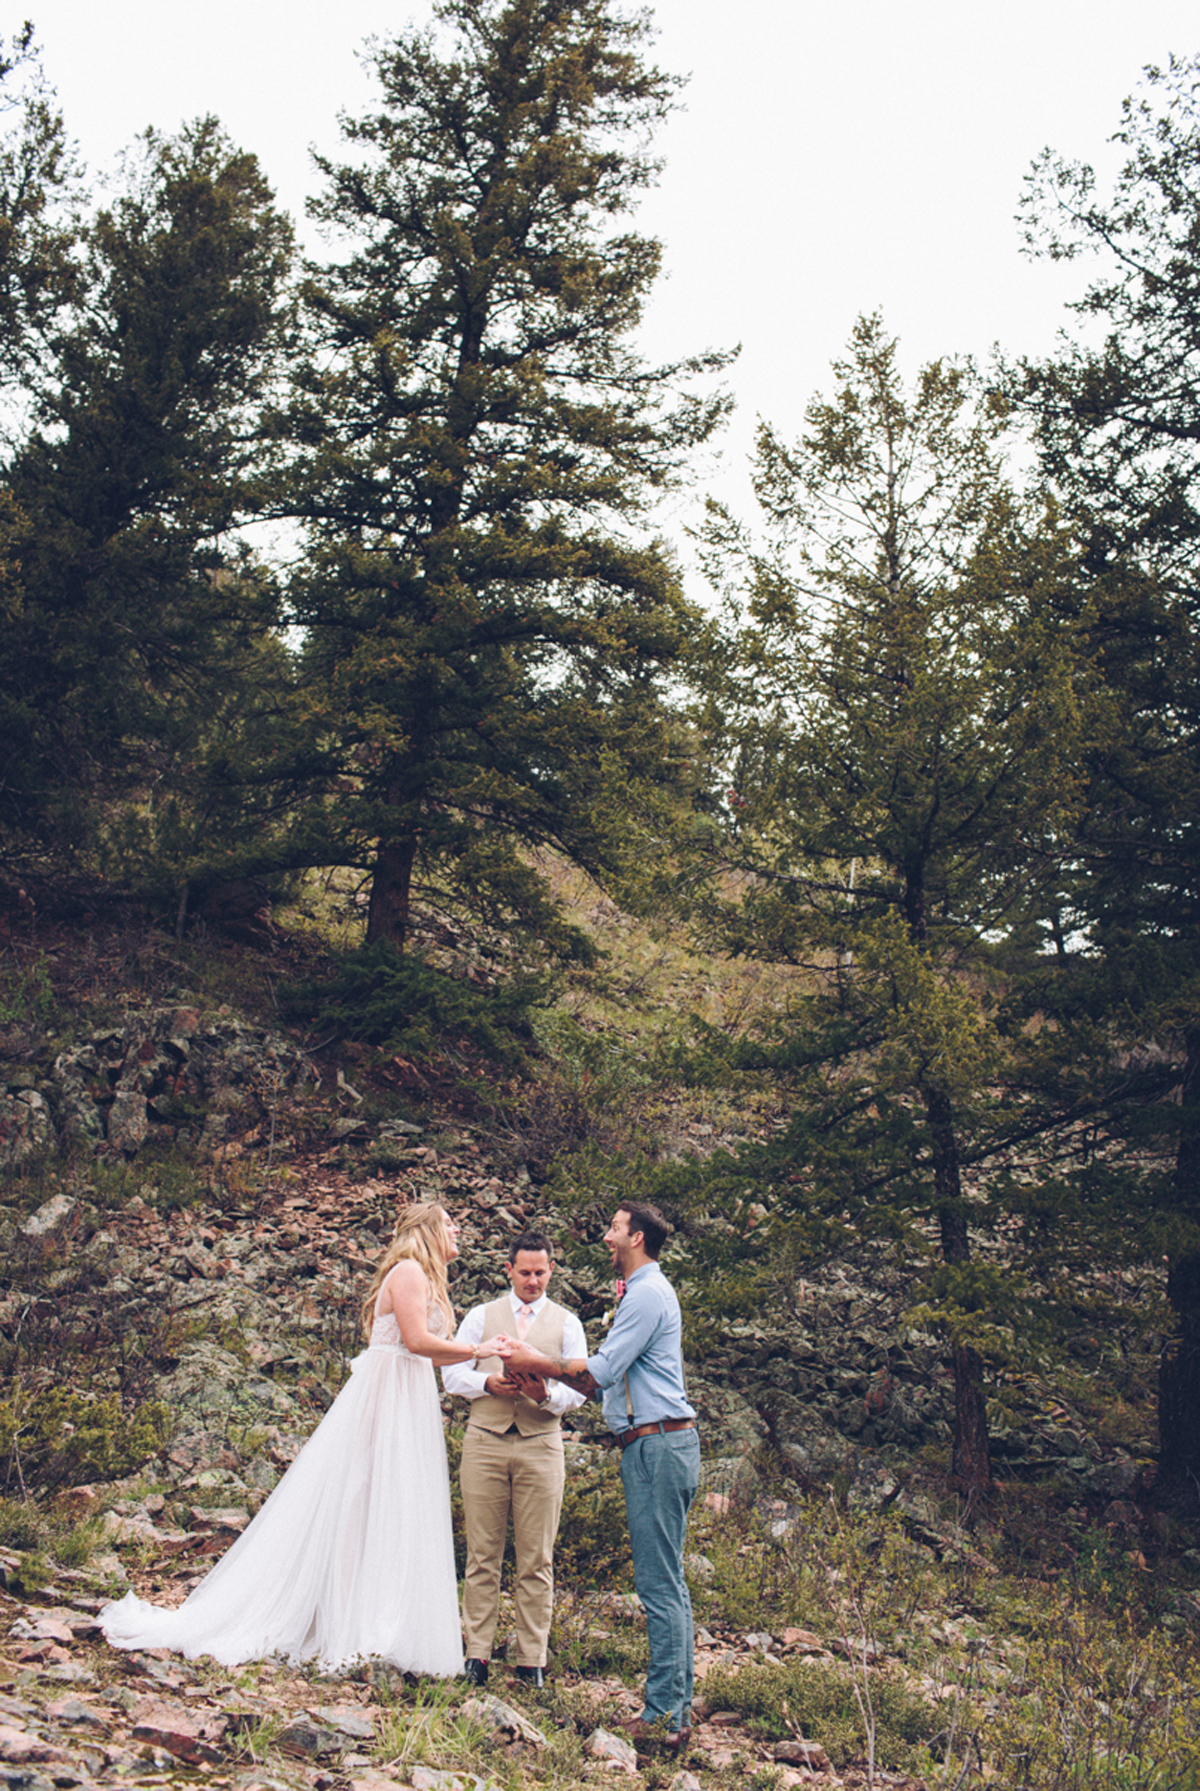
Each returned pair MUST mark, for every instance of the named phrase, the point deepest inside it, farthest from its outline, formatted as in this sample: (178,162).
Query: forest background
(926,749)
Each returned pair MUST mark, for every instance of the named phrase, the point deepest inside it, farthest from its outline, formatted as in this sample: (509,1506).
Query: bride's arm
(406,1293)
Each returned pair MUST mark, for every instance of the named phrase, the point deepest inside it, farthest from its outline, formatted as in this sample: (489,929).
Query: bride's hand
(501,1346)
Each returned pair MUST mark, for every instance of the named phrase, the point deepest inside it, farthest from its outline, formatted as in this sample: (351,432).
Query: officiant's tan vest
(546,1335)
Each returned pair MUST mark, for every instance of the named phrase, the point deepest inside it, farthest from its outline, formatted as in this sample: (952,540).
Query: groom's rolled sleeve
(632,1330)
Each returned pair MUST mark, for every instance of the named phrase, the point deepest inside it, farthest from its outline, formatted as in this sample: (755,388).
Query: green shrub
(75,1545)
(31,1575)
(597,1643)
(1096,1704)
(593,1535)
(61,1438)
(27,994)
(20,1524)
(819,1699)
(385,999)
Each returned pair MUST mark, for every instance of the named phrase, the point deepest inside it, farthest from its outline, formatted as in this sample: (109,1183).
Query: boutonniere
(606,1318)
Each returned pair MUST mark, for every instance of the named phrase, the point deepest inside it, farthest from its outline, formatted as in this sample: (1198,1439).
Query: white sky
(832,158)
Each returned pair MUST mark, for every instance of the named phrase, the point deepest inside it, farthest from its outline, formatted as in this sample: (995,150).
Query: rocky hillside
(196,1194)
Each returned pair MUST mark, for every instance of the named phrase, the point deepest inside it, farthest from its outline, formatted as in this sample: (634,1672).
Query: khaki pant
(523,1475)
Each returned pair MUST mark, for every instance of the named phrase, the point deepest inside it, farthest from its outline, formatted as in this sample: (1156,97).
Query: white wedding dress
(353,1553)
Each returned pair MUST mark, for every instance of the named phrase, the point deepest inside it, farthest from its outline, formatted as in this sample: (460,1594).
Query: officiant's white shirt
(471,1383)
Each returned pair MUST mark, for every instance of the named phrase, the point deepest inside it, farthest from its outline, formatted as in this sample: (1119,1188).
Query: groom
(639,1371)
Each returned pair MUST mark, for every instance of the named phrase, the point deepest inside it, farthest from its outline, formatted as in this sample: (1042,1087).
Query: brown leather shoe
(655,1737)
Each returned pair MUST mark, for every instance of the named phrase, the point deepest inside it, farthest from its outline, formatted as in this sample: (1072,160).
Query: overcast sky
(831,158)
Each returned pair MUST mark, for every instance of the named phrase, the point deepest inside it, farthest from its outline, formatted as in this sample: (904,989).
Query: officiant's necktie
(524,1320)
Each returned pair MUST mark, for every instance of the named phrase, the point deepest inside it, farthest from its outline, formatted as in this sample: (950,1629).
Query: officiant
(512,1460)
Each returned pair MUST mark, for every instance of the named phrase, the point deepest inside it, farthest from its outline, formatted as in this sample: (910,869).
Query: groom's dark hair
(649,1221)
(531,1240)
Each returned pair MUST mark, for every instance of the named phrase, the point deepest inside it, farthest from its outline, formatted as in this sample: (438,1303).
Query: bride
(352,1555)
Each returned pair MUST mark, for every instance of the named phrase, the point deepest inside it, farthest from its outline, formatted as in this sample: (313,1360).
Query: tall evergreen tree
(485,618)
(138,614)
(892,730)
(38,186)
(1118,425)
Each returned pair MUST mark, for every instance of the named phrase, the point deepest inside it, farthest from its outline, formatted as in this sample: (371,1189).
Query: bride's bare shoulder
(407,1277)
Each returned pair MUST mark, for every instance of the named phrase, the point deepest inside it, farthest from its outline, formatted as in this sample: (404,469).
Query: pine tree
(486,620)
(39,183)
(893,737)
(139,615)
(1118,427)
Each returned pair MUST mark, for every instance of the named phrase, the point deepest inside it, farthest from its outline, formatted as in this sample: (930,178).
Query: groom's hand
(501,1387)
(520,1358)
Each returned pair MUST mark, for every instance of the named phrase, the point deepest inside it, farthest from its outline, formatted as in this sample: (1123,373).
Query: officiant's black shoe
(532,1675)
(475,1671)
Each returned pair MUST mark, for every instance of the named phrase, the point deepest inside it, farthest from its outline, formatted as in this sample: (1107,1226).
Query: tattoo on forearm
(575,1374)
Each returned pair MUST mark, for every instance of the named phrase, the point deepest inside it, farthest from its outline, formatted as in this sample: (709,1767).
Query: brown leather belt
(625,1437)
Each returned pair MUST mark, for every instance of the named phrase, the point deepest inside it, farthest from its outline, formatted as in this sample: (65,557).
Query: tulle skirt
(351,1556)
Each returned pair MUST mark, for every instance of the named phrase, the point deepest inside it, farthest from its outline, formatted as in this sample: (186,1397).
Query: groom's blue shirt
(645,1344)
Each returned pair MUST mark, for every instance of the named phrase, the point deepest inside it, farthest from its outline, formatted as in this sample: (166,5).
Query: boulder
(25,1126)
(53,1223)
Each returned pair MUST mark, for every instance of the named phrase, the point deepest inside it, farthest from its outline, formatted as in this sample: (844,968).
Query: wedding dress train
(351,1556)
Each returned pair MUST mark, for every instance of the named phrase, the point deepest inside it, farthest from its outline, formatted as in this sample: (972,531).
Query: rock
(341,1129)
(819,1455)
(185,1734)
(139,1528)
(128,1121)
(76,1710)
(684,1781)
(75,1501)
(221,1517)
(698,1567)
(613,1750)
(53,1222)
(429,1778)
(809,1754)
(309,1740)
(501,1719)
(347,1719)
(74,1075)
(162,1057)
(41,1629)
(108,1565)
(19,1747)
(873,1485)
(1114,1479)
(25,1127)
(209,1387)
(66,1672)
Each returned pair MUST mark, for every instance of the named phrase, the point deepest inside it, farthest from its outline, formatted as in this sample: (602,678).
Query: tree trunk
(971,1461)
(391,891)
(1177,1488)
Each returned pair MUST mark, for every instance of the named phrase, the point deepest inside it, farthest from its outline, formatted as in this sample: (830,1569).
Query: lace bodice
(385,1332)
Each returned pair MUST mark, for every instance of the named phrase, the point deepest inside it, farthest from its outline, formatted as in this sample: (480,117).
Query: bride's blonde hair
(420,1235)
